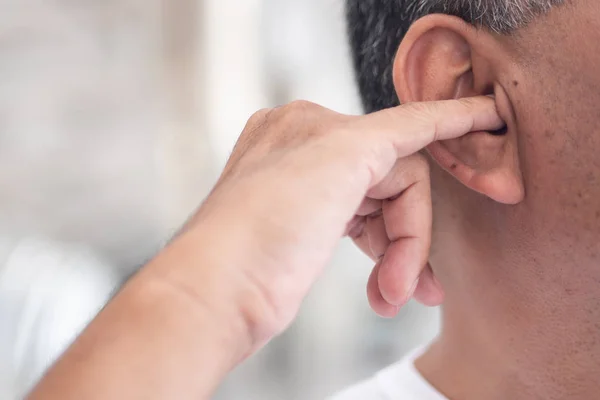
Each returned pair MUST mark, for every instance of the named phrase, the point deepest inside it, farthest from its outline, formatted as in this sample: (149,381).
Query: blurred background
(115,118)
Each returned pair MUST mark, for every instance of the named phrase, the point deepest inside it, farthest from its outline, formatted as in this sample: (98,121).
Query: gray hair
(376,28)
(501,16)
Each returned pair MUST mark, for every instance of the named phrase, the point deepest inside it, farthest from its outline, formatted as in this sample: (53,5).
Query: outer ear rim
(416,30)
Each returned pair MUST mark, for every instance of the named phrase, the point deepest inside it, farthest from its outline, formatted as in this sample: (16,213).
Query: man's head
(516,216)
(377,27)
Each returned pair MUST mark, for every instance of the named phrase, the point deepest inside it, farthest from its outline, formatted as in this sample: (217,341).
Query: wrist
(198,269)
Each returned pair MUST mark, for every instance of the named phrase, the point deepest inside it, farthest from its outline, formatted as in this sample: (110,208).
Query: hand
(301,176)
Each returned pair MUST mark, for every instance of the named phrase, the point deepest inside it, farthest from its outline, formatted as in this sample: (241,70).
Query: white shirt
(400,381)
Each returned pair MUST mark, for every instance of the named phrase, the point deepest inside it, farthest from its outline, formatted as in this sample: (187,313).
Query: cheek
(558,154)
(556,106)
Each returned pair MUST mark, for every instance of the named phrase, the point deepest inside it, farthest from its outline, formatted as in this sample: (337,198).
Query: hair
(376,28)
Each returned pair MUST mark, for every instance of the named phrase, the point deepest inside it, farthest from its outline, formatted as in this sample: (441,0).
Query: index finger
(413,126)
(401,131)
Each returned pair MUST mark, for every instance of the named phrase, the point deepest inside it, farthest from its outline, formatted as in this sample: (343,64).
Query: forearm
(163,336)
(296,177)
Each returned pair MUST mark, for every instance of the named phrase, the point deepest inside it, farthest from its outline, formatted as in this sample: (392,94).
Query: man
(515,242)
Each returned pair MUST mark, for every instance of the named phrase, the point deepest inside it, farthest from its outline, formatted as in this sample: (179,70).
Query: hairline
(376,28)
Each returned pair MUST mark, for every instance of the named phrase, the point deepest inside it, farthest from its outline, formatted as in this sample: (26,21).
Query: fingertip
(376,300)
(399,272)
(485,113)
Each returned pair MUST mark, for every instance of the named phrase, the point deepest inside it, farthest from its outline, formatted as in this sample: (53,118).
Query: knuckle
(301,105)
(299,109)
(466,102)
(304,117)
(425,115)
(259,117)
(292,113)
(418,109)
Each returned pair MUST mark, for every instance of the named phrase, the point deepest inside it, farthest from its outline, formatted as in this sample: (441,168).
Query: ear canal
(500,132)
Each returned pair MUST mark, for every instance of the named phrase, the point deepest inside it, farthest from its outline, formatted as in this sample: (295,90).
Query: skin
(300,177)
(515,243)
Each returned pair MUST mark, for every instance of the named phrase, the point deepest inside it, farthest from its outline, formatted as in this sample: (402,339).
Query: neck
(517,345)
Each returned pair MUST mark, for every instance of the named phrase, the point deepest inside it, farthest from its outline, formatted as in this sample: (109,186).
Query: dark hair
(376,28)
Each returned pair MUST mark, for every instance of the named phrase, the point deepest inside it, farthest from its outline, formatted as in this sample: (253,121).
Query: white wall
(115,117)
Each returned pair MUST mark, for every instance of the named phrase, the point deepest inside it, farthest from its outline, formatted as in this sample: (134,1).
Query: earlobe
(443,57)
(484,163)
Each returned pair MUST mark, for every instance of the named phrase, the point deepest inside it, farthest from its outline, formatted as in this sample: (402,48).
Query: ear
(442,57)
